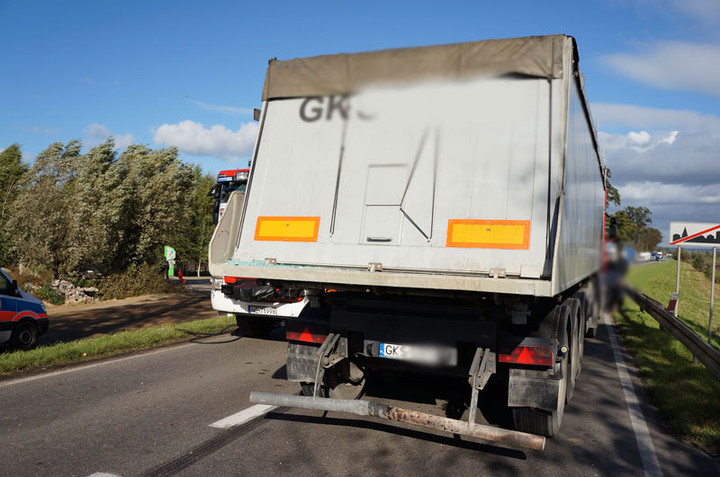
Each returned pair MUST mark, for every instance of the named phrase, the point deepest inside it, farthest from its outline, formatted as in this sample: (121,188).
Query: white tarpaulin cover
(539,56)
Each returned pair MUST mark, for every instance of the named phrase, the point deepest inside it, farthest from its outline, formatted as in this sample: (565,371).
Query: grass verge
(89,349)
(658,282)
(685,392)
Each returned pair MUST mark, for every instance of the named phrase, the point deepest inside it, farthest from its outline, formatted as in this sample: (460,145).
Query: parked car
(23,318)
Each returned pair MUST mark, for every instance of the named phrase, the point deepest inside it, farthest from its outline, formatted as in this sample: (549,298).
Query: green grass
(658,282)
(686,393)
(108,345)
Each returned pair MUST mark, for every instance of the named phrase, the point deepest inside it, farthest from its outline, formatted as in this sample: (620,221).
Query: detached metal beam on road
(367,408)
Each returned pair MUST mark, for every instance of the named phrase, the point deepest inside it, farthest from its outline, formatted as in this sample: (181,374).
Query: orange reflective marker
(506,234)
(287,229)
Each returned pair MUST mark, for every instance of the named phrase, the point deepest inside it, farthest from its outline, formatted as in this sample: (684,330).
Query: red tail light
(305,334)
(238,279)
(533,355)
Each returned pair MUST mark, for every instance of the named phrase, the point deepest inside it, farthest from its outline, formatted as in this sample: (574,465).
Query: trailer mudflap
(382,411)
(536,389)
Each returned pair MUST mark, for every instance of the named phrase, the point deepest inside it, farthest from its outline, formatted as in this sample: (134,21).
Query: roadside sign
(692,234)
(673,302)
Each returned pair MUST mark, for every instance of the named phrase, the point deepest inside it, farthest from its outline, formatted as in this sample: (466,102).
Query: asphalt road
(150,414)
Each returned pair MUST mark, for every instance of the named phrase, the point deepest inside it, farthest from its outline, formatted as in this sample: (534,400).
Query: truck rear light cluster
(305,334)
(239,280)
(533,355)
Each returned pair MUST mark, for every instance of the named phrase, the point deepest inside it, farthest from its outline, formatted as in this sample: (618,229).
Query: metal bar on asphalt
(677,283)
(712,297)
(701,350)
(367,408)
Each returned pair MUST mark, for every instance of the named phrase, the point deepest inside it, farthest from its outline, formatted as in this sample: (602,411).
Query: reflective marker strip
(287,229)
(508,234)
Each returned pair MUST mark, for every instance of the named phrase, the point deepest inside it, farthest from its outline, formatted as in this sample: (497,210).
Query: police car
(23,318)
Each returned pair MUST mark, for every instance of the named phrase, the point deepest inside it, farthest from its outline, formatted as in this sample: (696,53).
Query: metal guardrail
(705,353)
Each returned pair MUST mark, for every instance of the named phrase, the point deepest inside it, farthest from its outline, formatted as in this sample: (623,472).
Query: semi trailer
(435,210)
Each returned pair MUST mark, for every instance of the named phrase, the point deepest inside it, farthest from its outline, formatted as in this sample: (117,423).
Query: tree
(627,230)
(640,216)
(152,202)
(613,195)
(632,228)
(648,239)
(12,171)
(107,212)
(44,205)
(195,236)
(93,226)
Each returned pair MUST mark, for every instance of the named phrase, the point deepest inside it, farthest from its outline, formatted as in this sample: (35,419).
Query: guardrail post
(712,297)
(677,282)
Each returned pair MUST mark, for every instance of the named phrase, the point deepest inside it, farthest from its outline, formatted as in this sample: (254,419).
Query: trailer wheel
(593,308)
(308,389)
(345,380)
(25,336)
(573,355)
(594,318)
(539,421)
(253,326)
(583,317)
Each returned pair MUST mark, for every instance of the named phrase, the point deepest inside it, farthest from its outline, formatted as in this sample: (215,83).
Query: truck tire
(539,421)
(583,317)
(573,355)
(308,389)
(25,336)
(345,380)
(253,326)
(594,316)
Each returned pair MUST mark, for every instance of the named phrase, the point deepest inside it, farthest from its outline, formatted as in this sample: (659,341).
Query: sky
(188,75)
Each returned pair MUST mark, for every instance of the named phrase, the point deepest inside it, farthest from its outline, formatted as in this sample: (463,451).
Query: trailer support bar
(367,408)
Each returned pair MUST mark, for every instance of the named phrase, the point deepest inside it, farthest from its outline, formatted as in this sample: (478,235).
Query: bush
(46,293)
(31,278)
(137,280)
(702,262)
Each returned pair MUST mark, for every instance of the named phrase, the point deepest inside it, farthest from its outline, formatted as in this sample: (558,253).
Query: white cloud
(97,134)
(674,65)
(97,130)
(704,11)
(629,116)
(193,138)
(223,109)
(670,138)
(657,193)
(674,157)
(641,138)
(665,160)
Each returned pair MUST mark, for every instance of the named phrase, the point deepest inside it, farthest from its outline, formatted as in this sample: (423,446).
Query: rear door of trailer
(449,176)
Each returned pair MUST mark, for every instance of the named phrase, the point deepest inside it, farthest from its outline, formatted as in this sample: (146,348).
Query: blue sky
(188,74)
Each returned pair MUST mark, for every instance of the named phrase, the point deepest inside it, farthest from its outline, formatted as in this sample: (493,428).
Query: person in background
(180,269)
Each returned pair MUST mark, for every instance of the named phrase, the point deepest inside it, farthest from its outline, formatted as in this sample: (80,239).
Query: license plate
(262,310)
(436,355)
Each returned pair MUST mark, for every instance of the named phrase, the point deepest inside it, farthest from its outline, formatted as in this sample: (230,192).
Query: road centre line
(244,416)
(650,464)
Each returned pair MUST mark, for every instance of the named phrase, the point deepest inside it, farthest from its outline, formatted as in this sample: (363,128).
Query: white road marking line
(81,367)
(244,416)
(650,464)
(103,474)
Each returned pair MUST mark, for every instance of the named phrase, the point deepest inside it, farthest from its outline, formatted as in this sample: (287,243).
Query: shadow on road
(399,431)
(83,322)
